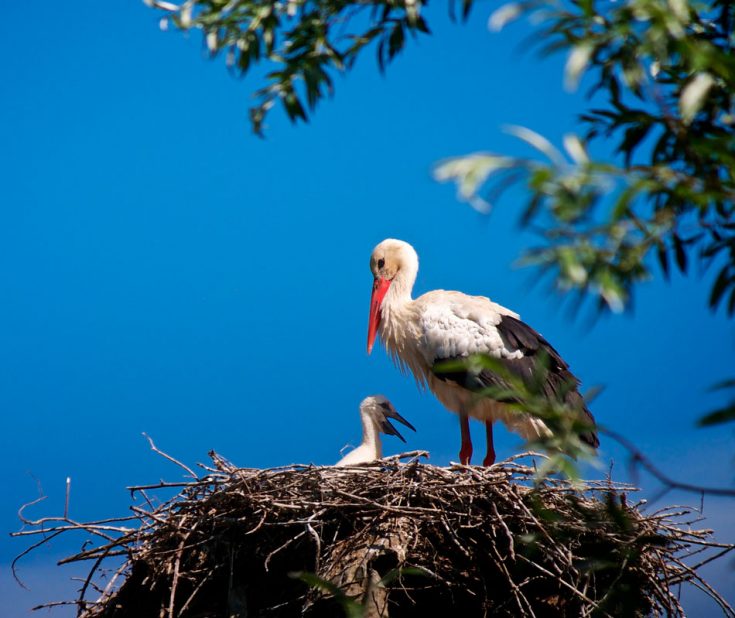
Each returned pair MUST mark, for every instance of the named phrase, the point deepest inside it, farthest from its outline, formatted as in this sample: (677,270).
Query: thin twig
(155,449)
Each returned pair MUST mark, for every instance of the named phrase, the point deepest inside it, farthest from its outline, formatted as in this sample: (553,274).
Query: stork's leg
(490,457)
(465,453)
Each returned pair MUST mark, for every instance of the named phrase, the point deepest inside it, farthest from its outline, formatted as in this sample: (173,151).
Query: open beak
(386,427)
(380,288)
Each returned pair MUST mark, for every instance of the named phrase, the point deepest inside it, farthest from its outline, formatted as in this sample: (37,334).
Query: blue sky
(164,271)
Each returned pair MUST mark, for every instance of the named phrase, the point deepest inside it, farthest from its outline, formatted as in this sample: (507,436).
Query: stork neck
(393,311)
(371,435)
(398,296)
(401,287)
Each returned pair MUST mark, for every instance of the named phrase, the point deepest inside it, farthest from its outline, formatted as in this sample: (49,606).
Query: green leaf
(539,142)
(679,251)
(693,96)
(396,40)
(634,135)
(395,574)
(725,384)
(717,417)
(721,284)
(504,15)
(577,61)
(351,607)
(663,259)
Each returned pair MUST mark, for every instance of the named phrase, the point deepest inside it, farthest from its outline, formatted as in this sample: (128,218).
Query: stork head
(394,263)
(379,410)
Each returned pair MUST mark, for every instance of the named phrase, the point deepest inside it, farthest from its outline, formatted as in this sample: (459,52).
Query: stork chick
(374,412)
(443,326)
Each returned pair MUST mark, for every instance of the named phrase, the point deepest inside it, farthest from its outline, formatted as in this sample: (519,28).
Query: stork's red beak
(380,288)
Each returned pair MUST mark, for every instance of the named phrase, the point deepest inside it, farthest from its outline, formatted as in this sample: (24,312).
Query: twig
(66,498)
(638,458)
(155,449)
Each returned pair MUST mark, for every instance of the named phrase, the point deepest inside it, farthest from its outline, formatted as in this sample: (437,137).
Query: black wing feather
(517,335)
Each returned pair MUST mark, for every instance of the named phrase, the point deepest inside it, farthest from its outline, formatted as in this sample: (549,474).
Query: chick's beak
(387,428)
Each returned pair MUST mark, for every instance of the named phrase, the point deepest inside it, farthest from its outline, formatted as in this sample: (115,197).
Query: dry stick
(195,591)
(545,533)
(53,604)
(120,570)
(66,500)
(718,555)
(73,525)
(24,519)
(145,497)
(697,580)
(162,485)
(712,593)
(25,552)
(286,544)
(566,584)
(94,585)
(453,536)
(155,449)
(177,565)
(80,601)
(611,587)
(665,594)
(504,526)
(639,458)
(520,598)
(90,554)
(150,515)
(45,520)
(318,543)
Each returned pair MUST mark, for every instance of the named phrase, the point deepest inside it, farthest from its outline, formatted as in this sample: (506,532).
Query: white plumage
(454,324)
(443,325)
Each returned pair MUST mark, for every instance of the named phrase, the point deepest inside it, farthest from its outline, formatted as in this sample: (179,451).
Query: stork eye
(381,263)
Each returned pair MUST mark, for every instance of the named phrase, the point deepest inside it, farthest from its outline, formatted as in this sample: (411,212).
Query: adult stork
(442,325)
(375,412)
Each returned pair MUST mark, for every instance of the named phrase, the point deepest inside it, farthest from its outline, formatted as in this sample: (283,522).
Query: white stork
(374,412)
(441,325)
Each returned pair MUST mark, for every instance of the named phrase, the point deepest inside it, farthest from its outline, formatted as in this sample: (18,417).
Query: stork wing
(461,326)
(453,324)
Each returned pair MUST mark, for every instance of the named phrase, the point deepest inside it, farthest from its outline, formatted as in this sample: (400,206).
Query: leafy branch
(666,73)
(567,421)
(663,69)
(722,415)
(304,43)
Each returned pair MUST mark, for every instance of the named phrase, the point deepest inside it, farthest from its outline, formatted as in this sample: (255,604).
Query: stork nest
(388,538)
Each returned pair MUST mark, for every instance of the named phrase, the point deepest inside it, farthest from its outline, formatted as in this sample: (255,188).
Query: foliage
(722,415)
(305,42)
(664,73)
(568,419)
(353,608)
(565,417)
(662,77)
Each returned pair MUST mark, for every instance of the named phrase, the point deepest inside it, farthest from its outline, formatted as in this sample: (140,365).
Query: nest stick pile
(388,539)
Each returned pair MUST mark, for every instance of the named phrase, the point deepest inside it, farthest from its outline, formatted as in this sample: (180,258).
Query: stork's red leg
(490,457)
(465,453)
